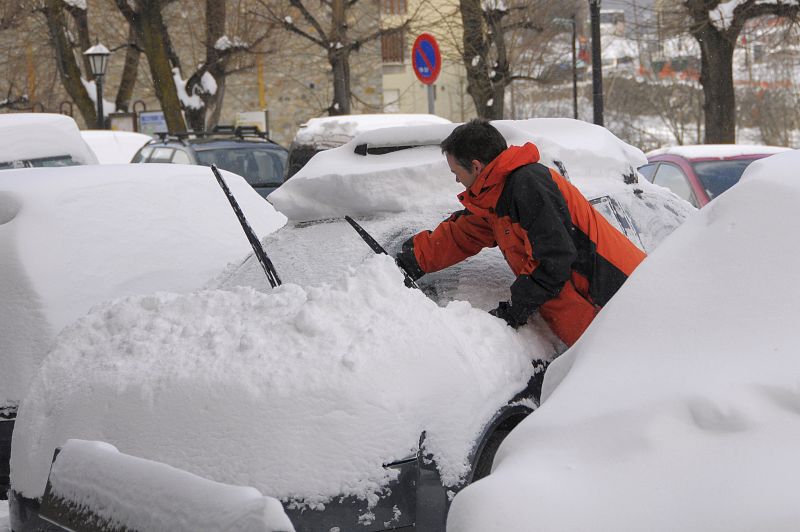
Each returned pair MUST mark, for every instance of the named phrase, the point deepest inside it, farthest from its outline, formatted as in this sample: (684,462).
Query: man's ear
(477,166)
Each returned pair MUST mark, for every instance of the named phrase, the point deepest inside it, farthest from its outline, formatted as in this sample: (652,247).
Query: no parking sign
(426,59)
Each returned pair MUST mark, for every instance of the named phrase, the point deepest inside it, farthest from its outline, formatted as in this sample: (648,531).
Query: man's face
(465,176)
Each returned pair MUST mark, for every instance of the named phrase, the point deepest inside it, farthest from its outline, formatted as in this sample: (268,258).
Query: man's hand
(507,313)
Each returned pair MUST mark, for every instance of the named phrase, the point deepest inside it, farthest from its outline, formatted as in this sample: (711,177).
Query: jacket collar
(482,196)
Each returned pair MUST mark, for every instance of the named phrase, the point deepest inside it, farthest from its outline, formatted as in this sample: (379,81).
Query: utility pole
(597,62)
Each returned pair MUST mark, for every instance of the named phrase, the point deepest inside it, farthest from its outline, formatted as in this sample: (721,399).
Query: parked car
(360,404)
(34,140)
(73,237)
(114,147)
(678,408)
(700,173)
(242,150)
(328,132)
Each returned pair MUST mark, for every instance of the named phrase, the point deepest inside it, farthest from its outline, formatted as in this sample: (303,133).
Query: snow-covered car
(326,132)
(73,237)
(31,140)
(700,173)
(687,420)
(360,404)
(114,147)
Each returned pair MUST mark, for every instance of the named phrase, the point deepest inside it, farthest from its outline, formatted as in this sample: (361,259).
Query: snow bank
(688,421)
(72,237)
(115,147)
(301,393)
(139,494)
(37,135)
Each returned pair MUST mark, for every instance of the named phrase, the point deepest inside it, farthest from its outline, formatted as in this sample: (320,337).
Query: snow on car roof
(28,136)
(332,131)
(717,150)
(678,408)
(339,181)
(114,147)
(72,237)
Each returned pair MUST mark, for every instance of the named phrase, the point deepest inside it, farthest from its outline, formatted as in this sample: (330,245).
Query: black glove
(507,313)
(407,261)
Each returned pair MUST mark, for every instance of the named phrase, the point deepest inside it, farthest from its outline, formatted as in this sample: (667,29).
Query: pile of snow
(75,236)
(330,131)
(114,147)
(718,151)
(137,494)
(339,181)
(303,393)
(688,421)
(26,136)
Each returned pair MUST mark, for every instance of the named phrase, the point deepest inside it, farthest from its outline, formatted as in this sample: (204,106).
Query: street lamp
(597,63)
(98,60)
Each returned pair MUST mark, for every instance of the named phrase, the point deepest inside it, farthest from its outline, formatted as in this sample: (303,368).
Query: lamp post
(98,60)
(597,63)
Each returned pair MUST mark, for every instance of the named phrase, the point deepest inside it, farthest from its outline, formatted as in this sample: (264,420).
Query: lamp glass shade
(98,59)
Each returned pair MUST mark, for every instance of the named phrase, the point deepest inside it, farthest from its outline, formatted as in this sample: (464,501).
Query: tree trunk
(129,70)
(475,55)
(215,64)
(68,68)
(339,59)
(150,29)
(716,56)
(501,77)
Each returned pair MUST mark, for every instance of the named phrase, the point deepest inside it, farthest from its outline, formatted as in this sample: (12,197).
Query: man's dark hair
(476,139)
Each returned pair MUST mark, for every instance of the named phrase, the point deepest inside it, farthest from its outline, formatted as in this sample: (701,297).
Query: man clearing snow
(568,259)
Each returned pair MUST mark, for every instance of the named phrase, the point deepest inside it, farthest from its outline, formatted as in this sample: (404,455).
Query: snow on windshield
(39,135)
(299,392)
(678,408)
(72,237)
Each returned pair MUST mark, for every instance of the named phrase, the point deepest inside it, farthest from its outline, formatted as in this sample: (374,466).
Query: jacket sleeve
(462,235)
(540,209)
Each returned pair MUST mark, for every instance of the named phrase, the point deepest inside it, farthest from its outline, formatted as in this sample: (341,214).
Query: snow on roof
(75,236)
(28,136)
(717,150)
(339,181)
(114,147)
(331,131)
(678,407)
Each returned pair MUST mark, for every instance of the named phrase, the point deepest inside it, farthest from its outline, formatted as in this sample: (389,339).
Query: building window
(392,46)
(394,7)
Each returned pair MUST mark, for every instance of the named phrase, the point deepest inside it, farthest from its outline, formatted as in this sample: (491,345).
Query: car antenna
(258,249)
(378,249)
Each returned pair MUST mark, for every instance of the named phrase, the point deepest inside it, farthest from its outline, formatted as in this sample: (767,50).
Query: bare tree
(330,28)
(717,36)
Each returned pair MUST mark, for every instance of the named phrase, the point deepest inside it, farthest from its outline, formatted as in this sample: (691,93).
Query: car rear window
(259,166)
(718,176)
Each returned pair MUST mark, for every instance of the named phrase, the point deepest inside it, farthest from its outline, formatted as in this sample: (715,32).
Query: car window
(259,166)
(181,157)
(142,155)
(718,176)
(673,178)
(161,155)
(618,217)
(648,170)
(49,162)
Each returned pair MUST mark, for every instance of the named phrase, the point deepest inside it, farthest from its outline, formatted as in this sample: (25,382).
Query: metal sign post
(427,62)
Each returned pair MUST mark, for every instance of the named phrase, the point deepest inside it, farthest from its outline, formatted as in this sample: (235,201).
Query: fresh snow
(717,150)
(73,237)
(39,135)
(114,147)
(96,476)
(678,408)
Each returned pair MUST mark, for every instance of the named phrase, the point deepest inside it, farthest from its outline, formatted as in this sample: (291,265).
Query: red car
(702,172)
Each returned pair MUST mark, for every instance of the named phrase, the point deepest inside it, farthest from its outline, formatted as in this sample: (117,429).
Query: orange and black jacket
(549,234)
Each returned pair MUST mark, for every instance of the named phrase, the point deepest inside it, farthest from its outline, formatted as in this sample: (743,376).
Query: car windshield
(259,166)
(719,176)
